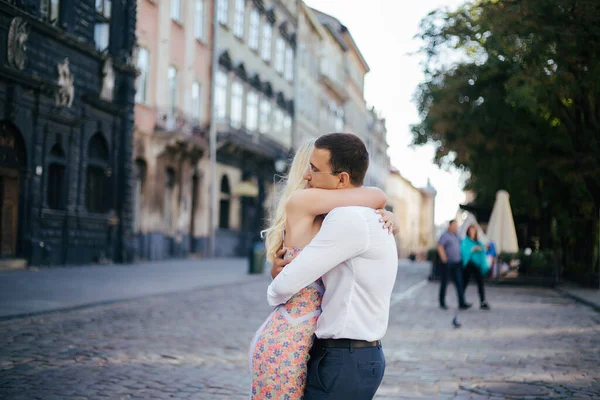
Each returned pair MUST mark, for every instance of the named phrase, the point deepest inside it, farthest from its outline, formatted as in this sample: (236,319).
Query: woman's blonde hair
(292,182)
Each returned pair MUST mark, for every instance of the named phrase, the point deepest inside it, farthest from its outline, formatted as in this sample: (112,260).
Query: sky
(384,32)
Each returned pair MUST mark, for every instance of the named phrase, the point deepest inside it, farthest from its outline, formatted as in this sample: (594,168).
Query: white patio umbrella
(466,219)
(501,228)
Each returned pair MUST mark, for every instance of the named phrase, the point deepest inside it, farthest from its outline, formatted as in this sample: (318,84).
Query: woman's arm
(321,201)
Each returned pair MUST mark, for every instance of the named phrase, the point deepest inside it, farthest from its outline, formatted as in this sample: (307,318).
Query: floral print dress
(279,350)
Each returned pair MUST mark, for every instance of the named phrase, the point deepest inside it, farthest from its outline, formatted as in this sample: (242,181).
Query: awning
(245,189)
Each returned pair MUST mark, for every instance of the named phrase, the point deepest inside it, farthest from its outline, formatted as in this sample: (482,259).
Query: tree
(520,110)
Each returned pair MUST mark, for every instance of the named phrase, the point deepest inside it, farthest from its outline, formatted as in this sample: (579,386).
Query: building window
(289,63)
(237,100)
(339,119)
(143,65)
(222,11)
(199,20)
(265,51)
(287,129)
(102,24)
(49,10)
(176,10)
(56,178)
(238,23)
(265,115)
(279,54)
(221,95)
(224,204)
(171,112)
(196,101)
(252,111)
(253,31)
(277,122)
(97,193)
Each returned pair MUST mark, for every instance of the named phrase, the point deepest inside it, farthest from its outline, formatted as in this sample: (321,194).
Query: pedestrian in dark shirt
(449,251)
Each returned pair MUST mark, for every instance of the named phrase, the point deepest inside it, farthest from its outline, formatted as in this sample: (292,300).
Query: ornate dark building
(66,122)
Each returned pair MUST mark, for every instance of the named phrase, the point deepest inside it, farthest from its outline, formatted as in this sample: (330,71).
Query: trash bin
(258,257)
(434,259)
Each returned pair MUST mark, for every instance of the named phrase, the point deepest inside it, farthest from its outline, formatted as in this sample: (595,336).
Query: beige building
(379,163)
(331,89)
(254,106)
(310,87)
(172,114)
(415,210)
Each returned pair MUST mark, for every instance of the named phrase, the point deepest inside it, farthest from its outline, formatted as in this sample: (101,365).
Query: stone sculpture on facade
(16,46)
(108,80)
(66,83)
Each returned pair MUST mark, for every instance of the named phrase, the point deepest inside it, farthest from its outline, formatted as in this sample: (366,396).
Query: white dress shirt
(358,261)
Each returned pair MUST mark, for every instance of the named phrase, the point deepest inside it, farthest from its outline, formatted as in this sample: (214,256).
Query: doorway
(9,212)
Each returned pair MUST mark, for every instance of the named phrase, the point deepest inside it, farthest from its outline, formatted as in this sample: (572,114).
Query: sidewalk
(590,297)
(27,292)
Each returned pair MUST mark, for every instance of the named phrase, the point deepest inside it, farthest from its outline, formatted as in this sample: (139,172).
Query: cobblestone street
(193,344)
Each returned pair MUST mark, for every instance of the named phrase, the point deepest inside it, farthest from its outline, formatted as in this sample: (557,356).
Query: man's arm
(441,250)
(343,235)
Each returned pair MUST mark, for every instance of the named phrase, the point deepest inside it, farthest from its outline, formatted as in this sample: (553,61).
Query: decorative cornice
(240,71)
(270,14)
(268,89)
(225,60)
(255,82)
(281,100)
(260,5)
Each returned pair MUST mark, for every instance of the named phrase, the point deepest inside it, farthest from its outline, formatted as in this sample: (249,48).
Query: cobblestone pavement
(194,345)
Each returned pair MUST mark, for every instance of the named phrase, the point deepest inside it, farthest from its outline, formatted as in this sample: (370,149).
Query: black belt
(346,343)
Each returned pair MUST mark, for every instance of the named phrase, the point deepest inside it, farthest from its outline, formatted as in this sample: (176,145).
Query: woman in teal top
(474,263)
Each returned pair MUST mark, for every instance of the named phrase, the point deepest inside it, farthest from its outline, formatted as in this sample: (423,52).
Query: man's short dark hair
(348,153)
(451,222)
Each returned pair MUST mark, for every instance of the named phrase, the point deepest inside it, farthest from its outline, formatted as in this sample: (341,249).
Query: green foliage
(538,263)
(520,110)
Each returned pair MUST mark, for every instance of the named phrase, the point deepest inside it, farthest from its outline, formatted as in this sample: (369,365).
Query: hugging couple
(334,268)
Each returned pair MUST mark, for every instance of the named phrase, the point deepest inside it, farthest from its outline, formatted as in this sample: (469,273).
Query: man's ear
(343,180)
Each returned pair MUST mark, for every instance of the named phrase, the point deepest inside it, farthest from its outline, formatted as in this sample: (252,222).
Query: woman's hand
(279,263)
(389,220)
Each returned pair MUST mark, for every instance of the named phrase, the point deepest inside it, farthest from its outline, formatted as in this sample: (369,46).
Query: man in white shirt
(358,261)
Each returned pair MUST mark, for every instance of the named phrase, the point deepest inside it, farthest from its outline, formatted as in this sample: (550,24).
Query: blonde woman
(280,347)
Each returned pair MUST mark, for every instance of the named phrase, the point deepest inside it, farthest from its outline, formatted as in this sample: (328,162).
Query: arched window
(225,203)
(98,192)
(56,178)
(140,179)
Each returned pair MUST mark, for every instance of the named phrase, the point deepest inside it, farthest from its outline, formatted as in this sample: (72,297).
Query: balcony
(264,145)
(334,85)
(177,124)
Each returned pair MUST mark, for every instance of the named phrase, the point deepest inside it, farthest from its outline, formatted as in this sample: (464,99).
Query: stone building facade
(66,119)
(330,97)
(254,100)
(172,117)
(414,208)
(379,165)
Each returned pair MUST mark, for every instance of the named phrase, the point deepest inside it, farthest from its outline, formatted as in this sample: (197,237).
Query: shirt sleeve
(343,235)
(443,239)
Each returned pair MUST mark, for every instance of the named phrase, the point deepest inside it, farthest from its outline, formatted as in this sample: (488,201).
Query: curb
(578,299)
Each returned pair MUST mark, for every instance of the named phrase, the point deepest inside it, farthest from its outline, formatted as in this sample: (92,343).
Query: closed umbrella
(467,219)
(501,228)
